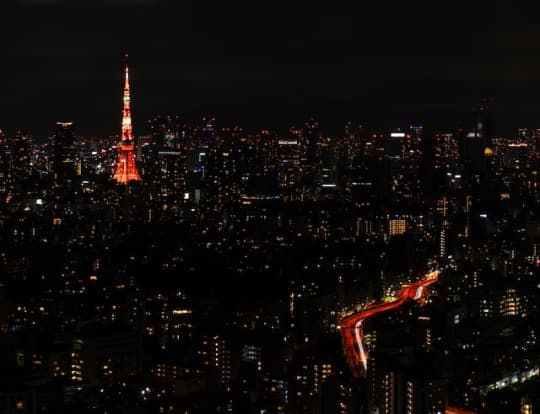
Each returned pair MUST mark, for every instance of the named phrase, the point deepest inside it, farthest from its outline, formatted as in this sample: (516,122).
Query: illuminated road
(453,410)
(352,330)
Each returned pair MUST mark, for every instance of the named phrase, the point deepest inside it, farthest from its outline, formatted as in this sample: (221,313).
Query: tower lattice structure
(126,168)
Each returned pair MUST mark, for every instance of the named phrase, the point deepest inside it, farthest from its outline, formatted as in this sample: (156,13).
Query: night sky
(267,64)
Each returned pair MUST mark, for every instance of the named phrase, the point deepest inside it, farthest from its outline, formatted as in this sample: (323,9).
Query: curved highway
(455,410)
(352,330)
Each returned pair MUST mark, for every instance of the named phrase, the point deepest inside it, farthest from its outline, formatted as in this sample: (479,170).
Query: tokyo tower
(126,169)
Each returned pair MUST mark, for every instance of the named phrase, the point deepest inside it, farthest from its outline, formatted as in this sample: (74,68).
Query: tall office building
(15,167)
(476,137)
(20,160)
(311,139)
(445,152)
(446,173)
(165,163)
(64,153)
(403,152)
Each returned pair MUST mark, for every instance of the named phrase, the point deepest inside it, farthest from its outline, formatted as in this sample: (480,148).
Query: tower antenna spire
(126,168)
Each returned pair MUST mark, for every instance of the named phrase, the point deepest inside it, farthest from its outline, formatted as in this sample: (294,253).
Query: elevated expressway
(352,330)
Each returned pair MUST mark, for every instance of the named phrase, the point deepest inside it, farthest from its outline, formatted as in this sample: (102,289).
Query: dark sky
(267,63)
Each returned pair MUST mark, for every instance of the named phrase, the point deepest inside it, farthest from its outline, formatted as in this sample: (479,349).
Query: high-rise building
(387,393)
(446,152)
(396,227)
(101,356)
(126,168)
(403,153)
(20,160)
(220,359)
(311,139)
(475,138)
(529,136)
(64,154)
(289,153)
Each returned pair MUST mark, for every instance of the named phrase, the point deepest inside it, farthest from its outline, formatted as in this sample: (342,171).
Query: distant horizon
(267,65)
(332,125)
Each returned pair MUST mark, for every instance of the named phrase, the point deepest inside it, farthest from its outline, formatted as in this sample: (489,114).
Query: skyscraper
(126,168)
(64,157)
(475,137)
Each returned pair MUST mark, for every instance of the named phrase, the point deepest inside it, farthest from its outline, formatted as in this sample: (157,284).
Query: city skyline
(262,67)
(270,208)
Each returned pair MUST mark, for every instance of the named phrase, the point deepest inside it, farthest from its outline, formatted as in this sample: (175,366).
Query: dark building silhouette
(64,153)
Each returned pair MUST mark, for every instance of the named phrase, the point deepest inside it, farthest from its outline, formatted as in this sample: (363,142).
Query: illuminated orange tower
(126,168)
